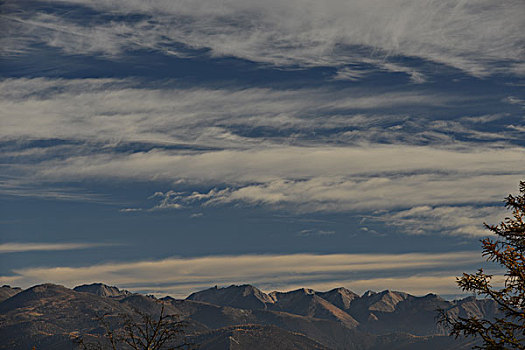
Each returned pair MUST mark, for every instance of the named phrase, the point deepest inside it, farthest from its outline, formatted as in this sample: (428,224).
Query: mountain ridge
(47,315)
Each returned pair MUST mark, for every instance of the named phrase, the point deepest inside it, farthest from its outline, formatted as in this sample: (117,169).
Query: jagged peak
(47,287)
(468,299)
(394,293)
(340,290)
(306,291)
(10,287)
(433,296)
(389,291)
(42,291)
(241,296)
(232,287)
(244,287)
(101,289)
(6,292)
(384,301)
(340,297)
(368,293)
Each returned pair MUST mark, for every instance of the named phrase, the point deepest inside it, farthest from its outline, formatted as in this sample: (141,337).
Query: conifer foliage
(508,250)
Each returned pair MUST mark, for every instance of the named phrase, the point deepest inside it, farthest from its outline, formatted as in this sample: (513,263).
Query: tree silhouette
(507,332)
(141,331)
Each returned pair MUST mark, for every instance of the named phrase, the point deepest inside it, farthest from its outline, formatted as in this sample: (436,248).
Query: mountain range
(48,316)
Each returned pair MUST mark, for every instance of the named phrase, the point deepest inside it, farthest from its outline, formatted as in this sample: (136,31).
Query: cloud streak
(33,247)
(452,220)
(180,276)
(109,112)
(113,110)
(357,193)
(349,177)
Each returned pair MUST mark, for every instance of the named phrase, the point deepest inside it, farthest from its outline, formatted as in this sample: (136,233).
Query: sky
(167,146)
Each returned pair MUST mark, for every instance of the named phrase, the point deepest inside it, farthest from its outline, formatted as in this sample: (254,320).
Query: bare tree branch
(139,331)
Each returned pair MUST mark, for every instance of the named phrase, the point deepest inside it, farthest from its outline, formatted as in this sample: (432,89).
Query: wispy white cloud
(114,111)
(352,74)
(299,172)
(110,112)
(345,150)
(332,194)
(515,101)
(31,247)
(32,189)
(414,75)
(486,118)
(480,37)
(330,164)
(520,128)
(457,220)
(310,232)
(180,276)
(130,210)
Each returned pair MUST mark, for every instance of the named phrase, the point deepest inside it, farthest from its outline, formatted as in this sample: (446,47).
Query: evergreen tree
(507,249)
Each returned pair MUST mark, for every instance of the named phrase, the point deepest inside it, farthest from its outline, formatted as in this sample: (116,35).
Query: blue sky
(166,146)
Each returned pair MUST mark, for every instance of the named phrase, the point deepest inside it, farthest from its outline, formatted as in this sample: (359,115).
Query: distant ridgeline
(240,317)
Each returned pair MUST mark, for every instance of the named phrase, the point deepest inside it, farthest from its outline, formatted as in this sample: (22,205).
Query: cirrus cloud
(480,37)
